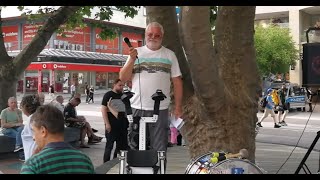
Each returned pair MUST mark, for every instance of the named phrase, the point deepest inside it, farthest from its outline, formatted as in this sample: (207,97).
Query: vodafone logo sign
(44,66)
(60,66)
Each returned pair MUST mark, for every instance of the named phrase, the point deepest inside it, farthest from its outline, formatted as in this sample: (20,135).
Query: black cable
(299,137)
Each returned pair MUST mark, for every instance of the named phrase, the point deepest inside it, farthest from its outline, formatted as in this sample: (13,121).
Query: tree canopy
(275,49)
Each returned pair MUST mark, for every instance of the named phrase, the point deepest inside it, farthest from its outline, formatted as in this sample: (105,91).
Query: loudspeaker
(311,64)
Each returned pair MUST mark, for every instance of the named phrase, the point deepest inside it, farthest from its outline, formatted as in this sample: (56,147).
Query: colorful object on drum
(223,163)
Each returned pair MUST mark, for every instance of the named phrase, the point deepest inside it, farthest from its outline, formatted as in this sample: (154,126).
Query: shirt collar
(58,145)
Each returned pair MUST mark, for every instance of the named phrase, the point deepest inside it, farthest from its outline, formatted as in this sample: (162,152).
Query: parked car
(296,97)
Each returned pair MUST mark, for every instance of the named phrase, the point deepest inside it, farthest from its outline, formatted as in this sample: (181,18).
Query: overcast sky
(11,11)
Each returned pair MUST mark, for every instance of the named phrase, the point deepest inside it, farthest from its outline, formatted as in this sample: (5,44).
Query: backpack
(263,102)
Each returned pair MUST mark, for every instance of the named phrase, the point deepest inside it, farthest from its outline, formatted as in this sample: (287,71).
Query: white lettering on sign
(10,34)
(31,26)
(133,40)
(55,66)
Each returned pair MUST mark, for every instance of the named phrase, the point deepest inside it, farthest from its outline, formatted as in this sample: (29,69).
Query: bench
(7,144)
(71,135)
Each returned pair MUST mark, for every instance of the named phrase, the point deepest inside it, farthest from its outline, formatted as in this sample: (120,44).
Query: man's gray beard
(154,45)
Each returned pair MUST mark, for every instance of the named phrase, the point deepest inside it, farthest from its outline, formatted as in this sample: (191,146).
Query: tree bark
(11,70)
(222,115)
(237,63)
(197,41)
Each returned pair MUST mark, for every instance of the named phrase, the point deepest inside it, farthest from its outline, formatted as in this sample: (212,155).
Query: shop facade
(39,76)
(77,56)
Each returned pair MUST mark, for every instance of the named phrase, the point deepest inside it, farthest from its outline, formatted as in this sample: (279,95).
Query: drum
(235,166)
(202,165)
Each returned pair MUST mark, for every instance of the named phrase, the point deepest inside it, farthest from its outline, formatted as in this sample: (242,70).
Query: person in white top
(73,90)
(29,105)
(155,68)
(58,103)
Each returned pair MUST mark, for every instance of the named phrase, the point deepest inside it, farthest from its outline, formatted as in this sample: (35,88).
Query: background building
(298,19)
(79,56)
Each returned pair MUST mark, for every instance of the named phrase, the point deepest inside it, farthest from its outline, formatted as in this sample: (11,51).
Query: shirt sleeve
(175,69)
(27,169)
(3,115)
(105,99)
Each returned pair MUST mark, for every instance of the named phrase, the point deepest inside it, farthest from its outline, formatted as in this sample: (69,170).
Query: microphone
(126,40)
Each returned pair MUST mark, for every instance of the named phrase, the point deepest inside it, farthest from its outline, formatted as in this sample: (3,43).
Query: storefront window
(101,80)
(111,78)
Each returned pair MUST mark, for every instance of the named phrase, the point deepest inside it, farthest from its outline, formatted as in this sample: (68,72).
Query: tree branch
(197,42)
(167,17)
(4,57)
(41,39)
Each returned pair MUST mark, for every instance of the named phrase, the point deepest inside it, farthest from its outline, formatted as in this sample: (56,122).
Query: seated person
(58,103)
(12,123)
(72,120)
(53,155)
(78,95)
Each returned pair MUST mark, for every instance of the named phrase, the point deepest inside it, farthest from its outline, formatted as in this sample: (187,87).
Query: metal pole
(123,162)
(308,153)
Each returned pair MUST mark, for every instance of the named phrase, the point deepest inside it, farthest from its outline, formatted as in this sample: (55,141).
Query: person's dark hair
(116,81)
(49,117)
(77,100)
(30,103)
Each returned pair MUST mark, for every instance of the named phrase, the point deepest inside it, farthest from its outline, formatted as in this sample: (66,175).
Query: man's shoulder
(109,93)
(4,110)
(167,50)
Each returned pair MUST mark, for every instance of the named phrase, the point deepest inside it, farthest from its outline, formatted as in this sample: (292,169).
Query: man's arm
(4,124)
(178,94)
(69,115)
(126,72)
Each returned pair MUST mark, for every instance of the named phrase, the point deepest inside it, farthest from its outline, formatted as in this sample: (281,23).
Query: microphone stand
(303,162)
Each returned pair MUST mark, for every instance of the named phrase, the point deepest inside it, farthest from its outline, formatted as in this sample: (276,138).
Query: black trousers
(118,134)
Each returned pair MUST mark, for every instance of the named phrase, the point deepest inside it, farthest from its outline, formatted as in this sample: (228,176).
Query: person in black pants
(91,93)
(116,123)
(87,92)
(309,96)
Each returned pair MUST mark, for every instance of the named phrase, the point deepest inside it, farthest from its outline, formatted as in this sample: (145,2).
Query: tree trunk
(223,114)
(10,70)
(8,82)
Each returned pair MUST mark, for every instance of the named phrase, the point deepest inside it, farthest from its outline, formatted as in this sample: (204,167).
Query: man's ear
(44,131)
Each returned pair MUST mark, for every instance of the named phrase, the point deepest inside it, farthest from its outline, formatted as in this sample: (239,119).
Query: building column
(52,79)
(39,81)
(24,83)
(294,25)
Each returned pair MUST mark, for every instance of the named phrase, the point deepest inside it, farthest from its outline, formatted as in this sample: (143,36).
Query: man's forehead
(154,29)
